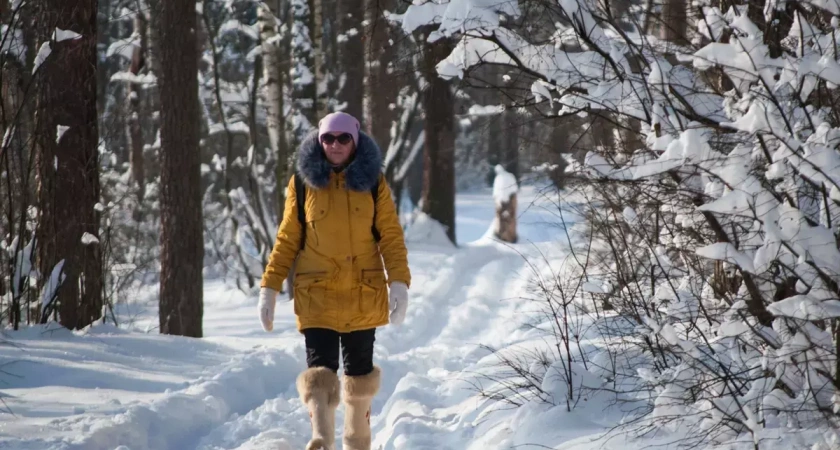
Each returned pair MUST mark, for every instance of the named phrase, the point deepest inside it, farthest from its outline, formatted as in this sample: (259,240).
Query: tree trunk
(135,130)
(327,56)
(274,67)
(303,71)
(510,152)
(316,34)
(559,142)
(674,22)
(506,220)
(103,39)
(503,142)
(351,15)
(381,89)
(182,244)
(439,150)
(67,159)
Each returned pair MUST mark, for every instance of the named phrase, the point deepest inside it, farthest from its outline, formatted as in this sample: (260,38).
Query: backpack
(300,197)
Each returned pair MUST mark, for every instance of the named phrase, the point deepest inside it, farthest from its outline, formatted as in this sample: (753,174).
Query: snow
(764,156)
(806,308)
(485,110)
(540,89)
(418,15)
(724,251)
(630,215)
(127,387)
(43,54)
(235,127)
(233,25)
(22,265)
(105,387)
(57,277)
(147,79)
(11,40)
(504,186)
(45,50)
(425,230)
(61,129)
(88,239)
(713,24)
(64,35)
(124,47)
(7,138)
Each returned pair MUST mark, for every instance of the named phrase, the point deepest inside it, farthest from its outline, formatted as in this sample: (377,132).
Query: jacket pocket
(310,289)
(362,206)
(317,206)
(372,286)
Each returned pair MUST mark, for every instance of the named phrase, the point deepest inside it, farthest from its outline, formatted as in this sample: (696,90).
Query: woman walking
(338,246)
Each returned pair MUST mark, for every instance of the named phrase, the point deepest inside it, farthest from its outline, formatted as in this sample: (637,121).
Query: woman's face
(337,147)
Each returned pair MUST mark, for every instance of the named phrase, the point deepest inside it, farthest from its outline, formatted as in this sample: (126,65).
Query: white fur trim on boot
(358,395)
(320,391)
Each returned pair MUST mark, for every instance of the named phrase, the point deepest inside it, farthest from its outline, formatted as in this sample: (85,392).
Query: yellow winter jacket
(339,280)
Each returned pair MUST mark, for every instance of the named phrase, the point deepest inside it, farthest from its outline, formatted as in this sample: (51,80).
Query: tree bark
(559,142)
(103,39)
(506,218)
(438,197)
(503,142)
(510,153)
(318,52)
(182,245)
(274,67)
(351,15)
(674,22)
(135,129)
(381,89)
(327,56)
(303,72)
(67,163)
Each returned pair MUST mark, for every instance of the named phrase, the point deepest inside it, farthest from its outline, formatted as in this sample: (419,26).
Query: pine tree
(438,197)
(182,246)
(67,140)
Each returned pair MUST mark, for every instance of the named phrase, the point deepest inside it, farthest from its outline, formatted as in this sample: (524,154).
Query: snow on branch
(713,189)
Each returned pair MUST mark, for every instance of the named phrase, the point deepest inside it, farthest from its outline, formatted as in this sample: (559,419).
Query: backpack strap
(300,196)
(374,191)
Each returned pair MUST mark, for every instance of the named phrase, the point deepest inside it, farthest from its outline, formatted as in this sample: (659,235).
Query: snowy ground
(117,388)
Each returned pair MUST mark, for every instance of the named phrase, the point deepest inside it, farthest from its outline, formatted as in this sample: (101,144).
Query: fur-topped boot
(320,391)
(358,395)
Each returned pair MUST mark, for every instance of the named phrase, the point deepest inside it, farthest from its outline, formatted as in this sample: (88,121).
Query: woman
(340,285)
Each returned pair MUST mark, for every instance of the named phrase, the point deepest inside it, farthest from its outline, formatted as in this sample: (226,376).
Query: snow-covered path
(437,341)
(112,388)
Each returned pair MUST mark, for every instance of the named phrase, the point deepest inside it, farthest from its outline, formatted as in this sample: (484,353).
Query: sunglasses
(343,139)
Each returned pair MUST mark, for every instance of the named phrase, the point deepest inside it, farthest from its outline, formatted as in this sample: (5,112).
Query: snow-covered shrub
(239,205)
(712,220)
(129,231)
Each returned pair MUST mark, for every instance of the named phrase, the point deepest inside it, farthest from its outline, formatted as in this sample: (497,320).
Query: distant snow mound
(504,185)
(425,230)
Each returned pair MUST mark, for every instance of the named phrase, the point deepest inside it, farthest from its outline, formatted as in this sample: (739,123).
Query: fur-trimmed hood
(361,174)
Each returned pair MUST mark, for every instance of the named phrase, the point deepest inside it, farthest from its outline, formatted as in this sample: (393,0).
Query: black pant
(356,348)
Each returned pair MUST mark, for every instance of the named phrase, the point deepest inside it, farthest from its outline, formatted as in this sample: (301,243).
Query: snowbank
(108,387)
(504,186)
(425,230)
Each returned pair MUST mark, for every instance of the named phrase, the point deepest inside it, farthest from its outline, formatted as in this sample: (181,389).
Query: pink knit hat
(339,122)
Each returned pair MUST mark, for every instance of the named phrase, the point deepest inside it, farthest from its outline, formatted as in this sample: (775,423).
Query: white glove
(268,298)
(398,302)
